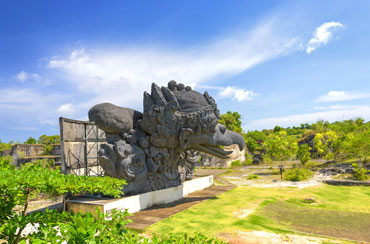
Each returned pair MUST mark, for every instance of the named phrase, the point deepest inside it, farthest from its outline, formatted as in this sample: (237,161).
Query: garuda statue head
(151,149)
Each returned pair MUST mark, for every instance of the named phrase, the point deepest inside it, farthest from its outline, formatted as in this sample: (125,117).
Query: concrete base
(139,202)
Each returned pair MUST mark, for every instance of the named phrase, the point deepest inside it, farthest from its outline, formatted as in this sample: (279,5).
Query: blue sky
(275,62)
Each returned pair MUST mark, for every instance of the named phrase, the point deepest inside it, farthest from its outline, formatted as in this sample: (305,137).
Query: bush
(248,159)
(297,174)
(252,177)
(19,185)
(236,163)
(359,173)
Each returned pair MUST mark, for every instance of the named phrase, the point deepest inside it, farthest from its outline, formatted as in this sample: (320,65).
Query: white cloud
(23,76)
(121,76)
(330,115)
(66,109)
(27,108)
(339,107)
(322,35)
(336,96)
(235,93)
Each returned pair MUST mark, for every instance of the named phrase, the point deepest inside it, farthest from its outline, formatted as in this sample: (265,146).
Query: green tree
(5,146)
(47,140)
(280,146)
(358,145)
(254,140)
(31,140)
(232,121)
(320,145)
(304,154)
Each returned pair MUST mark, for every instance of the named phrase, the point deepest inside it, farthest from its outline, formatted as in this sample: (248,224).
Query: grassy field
(337,211)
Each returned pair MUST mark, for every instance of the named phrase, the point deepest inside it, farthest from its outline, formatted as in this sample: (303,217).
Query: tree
(304,154)
(358,144)
(232,121)
(320,145)
(48,140)
(280,146)
(334,142)
(31,140)
(254,140)
(5,146)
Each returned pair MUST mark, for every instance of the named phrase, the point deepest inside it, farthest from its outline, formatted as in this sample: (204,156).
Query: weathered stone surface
(23,153)
(347,183)
(212,161)
(341,168)
(157,149)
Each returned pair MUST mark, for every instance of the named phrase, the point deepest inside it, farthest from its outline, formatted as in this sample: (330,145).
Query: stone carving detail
(159,148)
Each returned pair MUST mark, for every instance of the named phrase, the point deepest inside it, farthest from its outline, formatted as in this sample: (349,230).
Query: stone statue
(158,148)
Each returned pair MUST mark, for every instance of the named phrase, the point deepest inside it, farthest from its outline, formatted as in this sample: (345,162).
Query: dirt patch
(242,213)
(263,237)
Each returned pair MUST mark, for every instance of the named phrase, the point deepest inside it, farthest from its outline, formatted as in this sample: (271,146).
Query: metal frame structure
(83,159)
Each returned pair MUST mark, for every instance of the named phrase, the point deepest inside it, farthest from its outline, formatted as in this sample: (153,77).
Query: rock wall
(212,161)
(347,183)
(23,153)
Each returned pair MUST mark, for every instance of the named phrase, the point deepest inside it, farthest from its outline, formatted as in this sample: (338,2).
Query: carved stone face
(131,161)
(185,119)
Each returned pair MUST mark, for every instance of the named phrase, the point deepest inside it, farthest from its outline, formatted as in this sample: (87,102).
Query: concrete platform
(139,202)
(143,219)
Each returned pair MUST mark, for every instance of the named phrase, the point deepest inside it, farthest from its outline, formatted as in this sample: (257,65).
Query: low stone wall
(212,161)
(23,153)
(347,183)
(139,202)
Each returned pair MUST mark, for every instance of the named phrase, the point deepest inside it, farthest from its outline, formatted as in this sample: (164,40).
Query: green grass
(343,224)
(217,215)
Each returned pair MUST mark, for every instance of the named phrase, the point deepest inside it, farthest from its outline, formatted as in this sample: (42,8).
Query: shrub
(19,185)
(359,173)
(252,177)
(248,159)
(297,174)
(236,163)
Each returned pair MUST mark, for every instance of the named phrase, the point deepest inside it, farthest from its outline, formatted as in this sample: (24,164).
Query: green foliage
(359,173)
(252,177)
(31,140)
(47,140)
(280,146)
(6,162)
(5,146)
(248,159)
(19,185)
(304,154)
(358,144)
(297,174)
(236,163)
(232,121)
(254,140)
